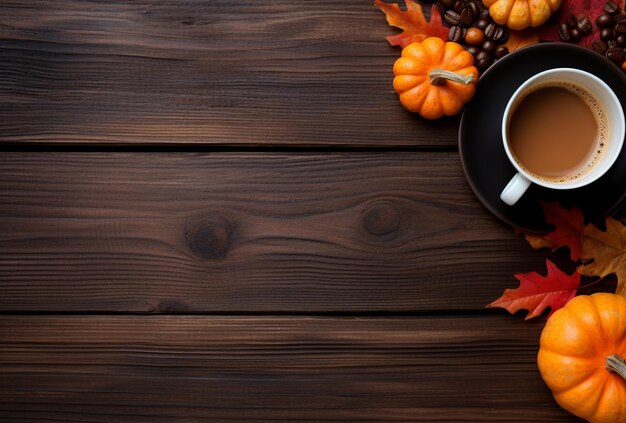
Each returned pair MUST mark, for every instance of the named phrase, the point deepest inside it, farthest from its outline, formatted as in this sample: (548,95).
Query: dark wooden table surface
(218,210)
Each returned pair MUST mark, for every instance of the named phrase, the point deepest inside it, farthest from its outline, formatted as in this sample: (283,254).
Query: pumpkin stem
(617,364)
(440,76)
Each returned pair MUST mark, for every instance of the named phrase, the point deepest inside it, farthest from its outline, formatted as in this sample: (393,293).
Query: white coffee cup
(518,185)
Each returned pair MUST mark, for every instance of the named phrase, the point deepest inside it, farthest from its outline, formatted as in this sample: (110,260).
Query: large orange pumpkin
(434,77)
(581,357)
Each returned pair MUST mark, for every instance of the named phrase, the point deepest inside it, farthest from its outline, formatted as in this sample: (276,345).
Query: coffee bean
(485,12)
(440,7)
(466,18)
(483,60)
(611,8)
(584,24)
(604,21)
(481,24)
(574,34)
(620,28)
(482,64)
(615,54)
(481,54)
(489,46)
(599,46)
(501,51)
(455,34)
(621,40)
(607,34)
(572,22)
(475,9)
(619,19)
(564,33)
(611,44)
(501,34)
(474,36)
(473,50)
(458,5)
(490,30)
(452,17)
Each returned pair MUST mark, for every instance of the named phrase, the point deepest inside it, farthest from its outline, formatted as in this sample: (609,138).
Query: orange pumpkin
(434,77)
(581,357)
(520,14)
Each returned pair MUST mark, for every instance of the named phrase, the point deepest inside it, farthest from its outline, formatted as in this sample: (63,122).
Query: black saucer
(485,163)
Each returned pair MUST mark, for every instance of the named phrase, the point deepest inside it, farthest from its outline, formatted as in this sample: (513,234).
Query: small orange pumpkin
(434,77)
(581,357)
(520,14)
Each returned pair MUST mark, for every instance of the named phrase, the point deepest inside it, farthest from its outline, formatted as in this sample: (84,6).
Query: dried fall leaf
(519,39)
(568,228)
(412,22)
(607,249)
(539,241)
(536,292)
(601,252)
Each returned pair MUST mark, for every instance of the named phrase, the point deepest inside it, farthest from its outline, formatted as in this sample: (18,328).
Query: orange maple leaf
(519,39)
(412,22)
(607,249)
(536,292)
(539,241)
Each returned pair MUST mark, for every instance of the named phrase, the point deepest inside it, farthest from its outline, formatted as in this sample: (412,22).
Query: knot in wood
(211,237)
(381,219)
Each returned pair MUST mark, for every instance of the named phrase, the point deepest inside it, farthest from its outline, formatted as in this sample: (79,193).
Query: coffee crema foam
(601,119)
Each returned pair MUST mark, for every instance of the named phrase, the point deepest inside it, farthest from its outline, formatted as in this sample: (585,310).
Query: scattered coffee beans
(472,27)
(612,35)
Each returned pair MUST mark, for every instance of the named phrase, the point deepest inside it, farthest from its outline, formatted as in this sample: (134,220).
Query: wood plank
(227,72)
(238,232)
(186,368)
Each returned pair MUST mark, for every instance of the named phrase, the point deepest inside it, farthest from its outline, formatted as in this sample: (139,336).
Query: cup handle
(514,190)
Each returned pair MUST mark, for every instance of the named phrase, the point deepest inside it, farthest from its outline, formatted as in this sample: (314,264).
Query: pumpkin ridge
(417,90)
(449,99)
(606,381)
(435,50)
(565,396)
(595,333)
(450,53)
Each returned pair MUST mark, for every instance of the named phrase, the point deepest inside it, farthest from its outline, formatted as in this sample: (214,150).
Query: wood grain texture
(188,369)
(249,232)
(303,72)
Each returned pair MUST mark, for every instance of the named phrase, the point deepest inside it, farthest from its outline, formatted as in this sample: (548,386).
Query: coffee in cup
(562,129)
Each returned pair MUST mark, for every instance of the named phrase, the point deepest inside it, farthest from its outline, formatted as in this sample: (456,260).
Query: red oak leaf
(590,8)
(412,22)
(536,292)
(568,228)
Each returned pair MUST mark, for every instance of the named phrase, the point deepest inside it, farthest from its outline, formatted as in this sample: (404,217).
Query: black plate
(485,163)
